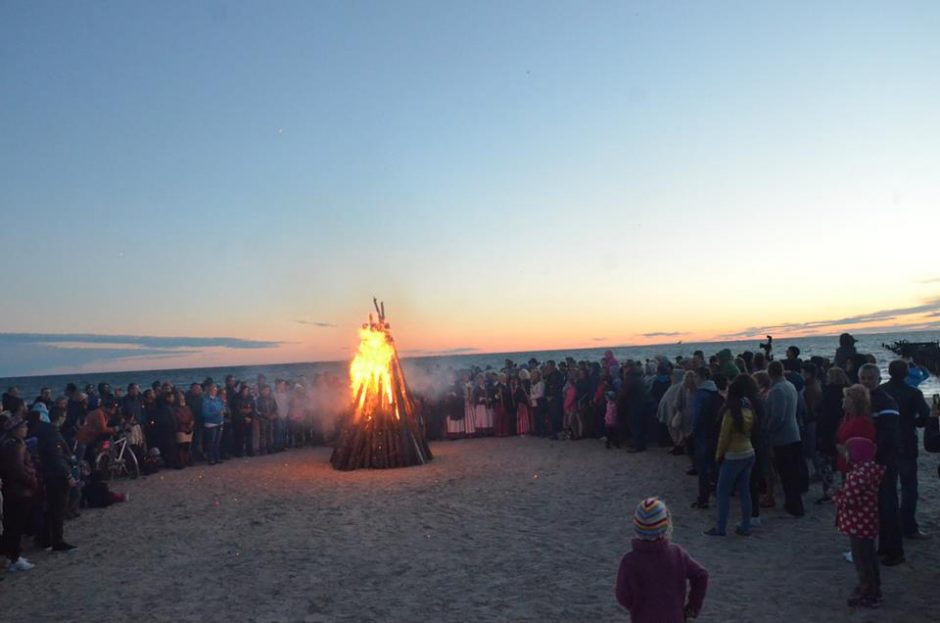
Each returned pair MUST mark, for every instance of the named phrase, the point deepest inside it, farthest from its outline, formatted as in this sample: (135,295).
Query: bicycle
(116,459)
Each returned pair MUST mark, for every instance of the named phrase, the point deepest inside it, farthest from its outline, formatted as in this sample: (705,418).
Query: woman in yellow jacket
(734,446)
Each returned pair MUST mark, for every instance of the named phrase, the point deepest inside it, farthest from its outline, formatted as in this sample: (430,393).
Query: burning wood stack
(382,430)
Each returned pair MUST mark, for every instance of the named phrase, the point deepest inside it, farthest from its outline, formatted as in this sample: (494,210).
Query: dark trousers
(241,433)
(704,464)
(197,449)
(57,498)
(226,444)
(866,565)
(212,436)
(757,479)
(556,416)
(16,514)
(613,436)
(907,472)
(638,428)
(787,462)
(890,542)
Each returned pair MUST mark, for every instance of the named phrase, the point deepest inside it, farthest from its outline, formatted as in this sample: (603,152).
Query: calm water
(425,370)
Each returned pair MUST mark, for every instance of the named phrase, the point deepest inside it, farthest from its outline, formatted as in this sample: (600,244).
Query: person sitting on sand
(651,581)
(857,517)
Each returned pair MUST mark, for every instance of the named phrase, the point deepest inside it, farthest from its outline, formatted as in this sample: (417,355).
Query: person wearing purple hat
(19,490)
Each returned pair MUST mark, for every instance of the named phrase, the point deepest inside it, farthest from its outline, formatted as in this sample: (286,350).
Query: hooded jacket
(782,402)
(726,364)
(212,411)
(706,406)
(857,502)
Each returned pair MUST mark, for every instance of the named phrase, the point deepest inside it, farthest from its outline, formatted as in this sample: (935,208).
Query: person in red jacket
(856,422)
(857,518)
(652,579)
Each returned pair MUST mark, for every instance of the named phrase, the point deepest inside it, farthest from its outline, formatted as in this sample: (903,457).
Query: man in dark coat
(885,413)
(914,412)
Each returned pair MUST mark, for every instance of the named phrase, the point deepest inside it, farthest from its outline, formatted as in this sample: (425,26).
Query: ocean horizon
(820,345)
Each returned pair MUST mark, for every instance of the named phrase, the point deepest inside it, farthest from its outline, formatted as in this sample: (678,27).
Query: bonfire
(382,429)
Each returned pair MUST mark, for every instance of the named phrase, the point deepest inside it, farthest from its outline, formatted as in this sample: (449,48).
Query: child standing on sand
(651,582)
(610,421)
(857,518)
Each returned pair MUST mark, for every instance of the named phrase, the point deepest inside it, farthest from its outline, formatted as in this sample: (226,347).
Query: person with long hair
(760,441)
(736,454)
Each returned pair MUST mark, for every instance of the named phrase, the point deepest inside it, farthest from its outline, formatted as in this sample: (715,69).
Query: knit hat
(651,521)
(860,450)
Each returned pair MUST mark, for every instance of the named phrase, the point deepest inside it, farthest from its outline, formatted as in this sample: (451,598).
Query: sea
(430,369)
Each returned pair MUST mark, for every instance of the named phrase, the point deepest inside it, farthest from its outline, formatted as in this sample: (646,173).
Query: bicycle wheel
(131,467)
(103,465)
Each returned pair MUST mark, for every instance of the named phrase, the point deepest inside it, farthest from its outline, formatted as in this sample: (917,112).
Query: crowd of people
(54,451)
(751,426)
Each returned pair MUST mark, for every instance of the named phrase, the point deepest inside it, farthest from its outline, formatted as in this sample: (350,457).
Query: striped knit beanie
(651,520)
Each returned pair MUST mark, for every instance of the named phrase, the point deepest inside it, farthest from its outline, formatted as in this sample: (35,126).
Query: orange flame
(370,372)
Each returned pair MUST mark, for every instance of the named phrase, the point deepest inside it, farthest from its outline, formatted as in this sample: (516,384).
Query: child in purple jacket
(651,582)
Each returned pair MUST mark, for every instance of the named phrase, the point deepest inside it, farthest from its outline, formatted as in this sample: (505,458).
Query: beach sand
(513,529)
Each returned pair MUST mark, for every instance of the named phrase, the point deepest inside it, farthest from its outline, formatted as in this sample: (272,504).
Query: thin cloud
(598,339)
(142,341)
(314,323)
(419,352)
(932,280)
(664,334)
(34,353)
(932,307)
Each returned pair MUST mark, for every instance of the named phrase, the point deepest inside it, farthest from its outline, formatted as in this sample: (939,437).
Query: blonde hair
(857,401)
(688,381)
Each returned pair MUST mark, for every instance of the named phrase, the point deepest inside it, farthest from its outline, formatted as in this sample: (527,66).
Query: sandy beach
(515,529)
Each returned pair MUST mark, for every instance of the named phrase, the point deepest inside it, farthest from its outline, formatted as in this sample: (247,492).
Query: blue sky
(505,175)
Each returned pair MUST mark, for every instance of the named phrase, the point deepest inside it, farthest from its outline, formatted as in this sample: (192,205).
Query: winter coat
(913,412)
(782,403)
(54,454)
(829,417)
(212,411)
(267,407)
(16,469)
(859,426)
(705,421)
(184,419)
(857,502)
(886,415)
(652,579)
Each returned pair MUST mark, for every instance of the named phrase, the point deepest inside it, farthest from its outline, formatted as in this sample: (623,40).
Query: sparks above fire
(381,430)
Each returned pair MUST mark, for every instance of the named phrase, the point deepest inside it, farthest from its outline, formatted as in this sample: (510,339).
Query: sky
(215,183)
